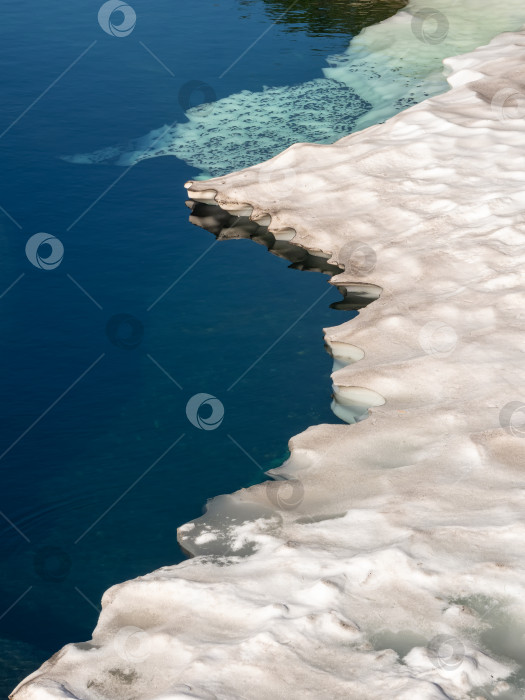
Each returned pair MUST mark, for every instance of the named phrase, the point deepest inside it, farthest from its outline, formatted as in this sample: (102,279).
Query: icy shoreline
(393,563)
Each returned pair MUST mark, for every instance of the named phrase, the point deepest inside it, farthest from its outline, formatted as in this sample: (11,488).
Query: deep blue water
(86,450)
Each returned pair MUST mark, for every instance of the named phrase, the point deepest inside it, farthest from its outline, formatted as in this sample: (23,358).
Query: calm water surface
(99,463)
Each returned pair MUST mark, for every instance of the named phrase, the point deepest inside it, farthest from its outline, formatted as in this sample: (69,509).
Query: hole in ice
(401,642)
(503,636)
(219,531)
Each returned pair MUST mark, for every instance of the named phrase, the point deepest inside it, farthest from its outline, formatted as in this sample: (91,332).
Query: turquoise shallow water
(100,463)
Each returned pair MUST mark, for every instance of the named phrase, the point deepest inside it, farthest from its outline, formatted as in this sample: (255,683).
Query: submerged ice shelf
(387,560)
(386,68)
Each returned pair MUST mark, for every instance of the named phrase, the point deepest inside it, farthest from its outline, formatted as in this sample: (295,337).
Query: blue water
(87,447)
